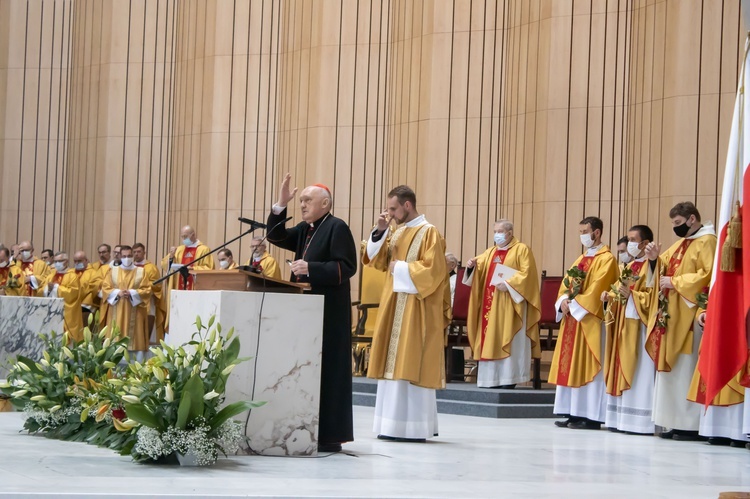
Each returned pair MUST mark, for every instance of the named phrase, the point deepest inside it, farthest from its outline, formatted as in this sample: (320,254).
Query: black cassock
(327,245)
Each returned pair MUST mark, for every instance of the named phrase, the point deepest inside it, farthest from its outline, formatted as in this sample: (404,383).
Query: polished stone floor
(473,457)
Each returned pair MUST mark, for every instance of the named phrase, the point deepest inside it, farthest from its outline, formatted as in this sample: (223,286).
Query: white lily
(210,395)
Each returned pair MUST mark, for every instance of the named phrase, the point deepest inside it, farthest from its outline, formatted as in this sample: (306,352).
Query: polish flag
(724,350)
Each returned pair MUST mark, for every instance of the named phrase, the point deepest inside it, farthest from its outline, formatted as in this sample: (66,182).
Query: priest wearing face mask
(63,283)
(127,293)
(88,285)
(680,273)
(623,257)
(4,271)
(503,320)
(628,370)
(155,303)
(226,260)
(32,271)
(579,353)
(190,249)
(262,261)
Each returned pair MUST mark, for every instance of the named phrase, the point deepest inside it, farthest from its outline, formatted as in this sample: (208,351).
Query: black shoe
(747,446)
(585,424)
(507,387)
(737,444)
(718,441)
(614,430)
(687,436)
(386,437)
(563,424)
(334,447)
(668,435)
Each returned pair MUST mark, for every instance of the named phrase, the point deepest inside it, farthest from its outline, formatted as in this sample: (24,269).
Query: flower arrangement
(170,405)
(574,281)
(662,314)
(176,398)
(14,281)
(627,278)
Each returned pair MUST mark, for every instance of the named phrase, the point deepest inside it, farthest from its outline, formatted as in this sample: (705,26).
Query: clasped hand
(299,268)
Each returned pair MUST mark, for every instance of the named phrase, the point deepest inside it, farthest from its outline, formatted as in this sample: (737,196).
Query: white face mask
(80,266)
(223,264)
(187,241)
(633,249)
(499,238)
(3,264)
(625,258)
(127,261)
(587,240)
(59,266)
(26,255)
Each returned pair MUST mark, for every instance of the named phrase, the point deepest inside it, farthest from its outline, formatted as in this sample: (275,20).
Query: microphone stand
(184,271)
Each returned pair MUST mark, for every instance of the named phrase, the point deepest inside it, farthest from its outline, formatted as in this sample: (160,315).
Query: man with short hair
(577,362)
(226,260)
(680,274)
(47,256)
(326,257)
(88,286)
(116,257)
(127,291)
(32,270)
(155,301)
(63,283)
(105,254)
(504,310)
(628,370)
(623,258)
(407,353)
(261,261)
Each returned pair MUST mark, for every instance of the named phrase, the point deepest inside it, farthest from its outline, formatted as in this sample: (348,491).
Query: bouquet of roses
(627,278)
(574,281)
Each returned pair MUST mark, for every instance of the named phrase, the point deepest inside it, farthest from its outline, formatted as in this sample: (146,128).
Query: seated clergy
(226,260)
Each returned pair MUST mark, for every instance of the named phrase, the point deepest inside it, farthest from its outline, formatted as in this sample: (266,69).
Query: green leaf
(183,411)
(139,413)
(198,322)
(232,351)
(211,321)
(194,387)
(232,410)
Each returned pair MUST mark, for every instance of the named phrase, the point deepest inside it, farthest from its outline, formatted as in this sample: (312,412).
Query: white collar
(123,267)
(706,230)
(416,222)
(594,250)
(193,245)
(642,259)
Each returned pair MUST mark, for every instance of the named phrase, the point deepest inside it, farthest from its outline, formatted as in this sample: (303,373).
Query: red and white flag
(724,349)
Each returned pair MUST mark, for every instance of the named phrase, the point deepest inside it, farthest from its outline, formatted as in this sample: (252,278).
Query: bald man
(326,257)
(190,249)
(32,270)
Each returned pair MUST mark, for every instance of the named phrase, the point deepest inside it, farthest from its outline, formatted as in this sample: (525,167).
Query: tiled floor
(473,457)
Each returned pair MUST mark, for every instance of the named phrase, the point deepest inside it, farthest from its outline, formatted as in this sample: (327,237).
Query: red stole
(653,342)
(27,268)
(187,256)
(4,273)
(568,336)
(489,292)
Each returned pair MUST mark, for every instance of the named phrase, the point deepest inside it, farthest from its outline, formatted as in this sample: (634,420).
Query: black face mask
(681,230)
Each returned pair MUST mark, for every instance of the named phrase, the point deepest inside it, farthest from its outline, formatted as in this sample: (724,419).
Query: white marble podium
(21,321)
(285,367)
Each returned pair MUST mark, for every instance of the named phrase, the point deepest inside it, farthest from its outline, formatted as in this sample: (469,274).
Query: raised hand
(284,194)
(653,250)
(383,220)
(471,263)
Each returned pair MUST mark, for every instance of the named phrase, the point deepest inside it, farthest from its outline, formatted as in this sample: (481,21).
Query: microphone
(253,223)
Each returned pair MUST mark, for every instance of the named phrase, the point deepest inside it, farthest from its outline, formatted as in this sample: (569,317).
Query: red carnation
(119,414)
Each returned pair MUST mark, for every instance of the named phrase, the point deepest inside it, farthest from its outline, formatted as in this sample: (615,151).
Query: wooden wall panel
(123,121)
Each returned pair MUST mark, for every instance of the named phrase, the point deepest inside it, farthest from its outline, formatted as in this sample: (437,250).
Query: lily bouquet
(574,281)
(702,298)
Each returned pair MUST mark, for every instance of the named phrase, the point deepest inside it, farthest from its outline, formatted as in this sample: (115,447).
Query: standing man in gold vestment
(126,292)
(407,355)
(579,353)
(503,320)
(62,282)
(155,303)
(4,269)
(32,271)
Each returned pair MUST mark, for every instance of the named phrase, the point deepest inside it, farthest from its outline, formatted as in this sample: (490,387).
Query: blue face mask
(499,238)
(187,241)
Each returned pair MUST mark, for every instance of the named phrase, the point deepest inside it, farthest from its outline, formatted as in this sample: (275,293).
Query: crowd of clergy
(121,286)
(625,356)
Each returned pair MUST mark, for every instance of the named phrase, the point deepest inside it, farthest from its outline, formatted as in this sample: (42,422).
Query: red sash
(568,336)
(489,292)
(4,273)
(187,256)
(653,343)
(30,267)
(58,278)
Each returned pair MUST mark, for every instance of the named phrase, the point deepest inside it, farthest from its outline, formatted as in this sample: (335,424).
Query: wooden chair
(457,332)
(370,289)
(549,288)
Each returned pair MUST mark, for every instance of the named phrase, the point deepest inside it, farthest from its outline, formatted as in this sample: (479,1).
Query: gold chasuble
(408,340)
(576,360)
(130,313)
(623,333)
(494,317)
(88,287)
(36,268)
(689,263)
(182,256)
(267,265)
(5,277)
(68,290)
(152,274)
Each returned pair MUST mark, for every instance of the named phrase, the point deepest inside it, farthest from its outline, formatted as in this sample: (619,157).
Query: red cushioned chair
(548,290)
(457,333)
